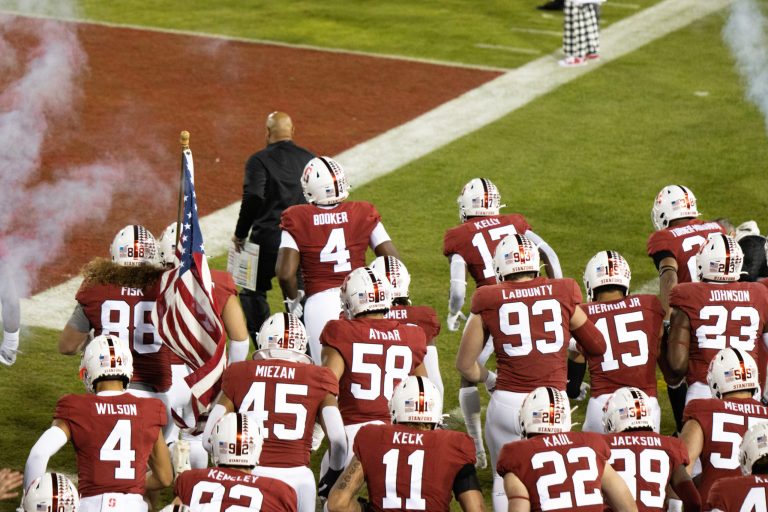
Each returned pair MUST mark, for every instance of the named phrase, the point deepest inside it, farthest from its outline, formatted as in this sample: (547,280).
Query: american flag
(184,313)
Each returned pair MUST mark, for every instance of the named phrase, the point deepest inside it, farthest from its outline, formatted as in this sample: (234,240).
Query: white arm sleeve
(378,236)
(546,249)
(46,447)
(458,284)
(216,413)
(238,350)
(286,240)
(337,437)
(433,368)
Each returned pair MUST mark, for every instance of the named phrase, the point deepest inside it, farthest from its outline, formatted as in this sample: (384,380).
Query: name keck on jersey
(519,293)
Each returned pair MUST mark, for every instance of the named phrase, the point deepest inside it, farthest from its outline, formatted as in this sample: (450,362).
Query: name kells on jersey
(116,409)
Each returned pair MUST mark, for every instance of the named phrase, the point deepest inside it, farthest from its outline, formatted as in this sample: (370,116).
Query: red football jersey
(476,239)
(223,288)
(646,462)
(227,487)
(410,469)
(722,315)
(378,354)
(283,398)
(631,328)
(127,313)
(723,423)
(113,436)
(683,242)
(748,493)
(561,471)
(529,323)
(423,316)
(332,241)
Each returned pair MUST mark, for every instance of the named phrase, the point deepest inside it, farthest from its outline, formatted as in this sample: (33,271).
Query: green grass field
(583,163)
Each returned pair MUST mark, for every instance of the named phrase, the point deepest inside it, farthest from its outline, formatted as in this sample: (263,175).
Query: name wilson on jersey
(116,409)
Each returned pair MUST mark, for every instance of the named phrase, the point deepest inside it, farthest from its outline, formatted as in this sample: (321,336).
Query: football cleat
(606,268)
(673,202)
(719,259)
(7,356)
(324,181)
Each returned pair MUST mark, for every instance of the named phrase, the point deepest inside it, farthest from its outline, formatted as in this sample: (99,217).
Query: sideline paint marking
(450,121)
(511,49)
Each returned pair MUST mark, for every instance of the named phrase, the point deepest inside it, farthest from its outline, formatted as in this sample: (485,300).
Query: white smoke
(38,87)
(745,34)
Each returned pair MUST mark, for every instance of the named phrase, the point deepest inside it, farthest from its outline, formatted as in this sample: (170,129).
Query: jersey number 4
(117,448)
(336,252)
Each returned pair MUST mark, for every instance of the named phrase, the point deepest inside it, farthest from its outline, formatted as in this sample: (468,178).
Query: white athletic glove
(454,321)
(490,381)
(180,457)
(294,306)
(584,391)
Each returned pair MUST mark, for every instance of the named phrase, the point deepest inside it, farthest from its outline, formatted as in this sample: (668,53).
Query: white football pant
(319,308)
(300,478)
(502,426)
(163,397)
(113,502)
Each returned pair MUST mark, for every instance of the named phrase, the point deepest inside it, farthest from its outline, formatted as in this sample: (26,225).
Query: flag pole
(184,139)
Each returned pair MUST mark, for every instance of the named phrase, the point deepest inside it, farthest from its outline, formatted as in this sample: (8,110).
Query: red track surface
(144,87)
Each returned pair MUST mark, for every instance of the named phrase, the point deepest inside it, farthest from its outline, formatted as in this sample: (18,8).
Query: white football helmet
(732,370)
(134,245)
(324,181)
(51,492)
(282,336)
(720,259)
(416,400)
(364,291)
(166,246)
(106,356)
(754,446)
(236,441)
(479,198)
(514,254)
(545,410)
(395,273)
(673,202)
(627,408)
(606,268)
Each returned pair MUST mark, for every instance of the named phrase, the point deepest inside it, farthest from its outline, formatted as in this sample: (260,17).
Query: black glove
(327,481)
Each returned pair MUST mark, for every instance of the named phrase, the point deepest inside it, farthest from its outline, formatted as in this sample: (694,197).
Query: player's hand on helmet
(294,305)
(327,481)
(454,320)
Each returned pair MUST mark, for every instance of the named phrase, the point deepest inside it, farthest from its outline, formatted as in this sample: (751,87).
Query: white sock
(499,496)
(238,350)
(469,401)
(11,340)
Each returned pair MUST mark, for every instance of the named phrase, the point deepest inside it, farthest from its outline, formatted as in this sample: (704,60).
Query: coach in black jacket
(272,184)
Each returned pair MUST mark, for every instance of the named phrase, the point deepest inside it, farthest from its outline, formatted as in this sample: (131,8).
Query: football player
(632,328)
(530,319)
(396,274)
(469,247)
(554,468)
(328,237)
(410,465)
(228,308)
(117,298)
(645,460)
(673,247)
(284,392)
(748,492)
(714,426)
(9,300)
(715,313)
(235,483)
(116,435)
(367,353)
(51,492)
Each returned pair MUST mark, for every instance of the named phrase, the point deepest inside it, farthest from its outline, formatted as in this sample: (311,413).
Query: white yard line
(441,126)
(621,5)
(511,49)
(537,31)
